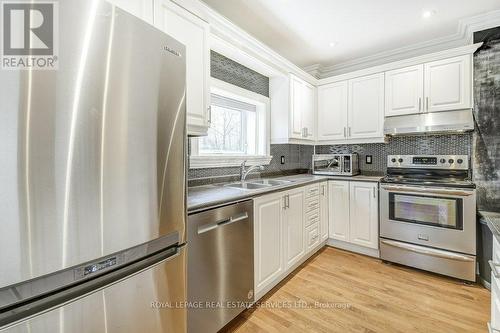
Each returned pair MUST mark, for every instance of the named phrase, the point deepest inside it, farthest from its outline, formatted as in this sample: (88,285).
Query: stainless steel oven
(438,217)
(335,164)
(428,214)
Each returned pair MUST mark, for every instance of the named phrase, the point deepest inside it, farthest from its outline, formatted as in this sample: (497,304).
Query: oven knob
(393,160)
(451,161)
(442,161)
(460,161)
(400,160)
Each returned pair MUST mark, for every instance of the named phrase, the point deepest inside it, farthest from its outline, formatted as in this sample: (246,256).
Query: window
(238,129)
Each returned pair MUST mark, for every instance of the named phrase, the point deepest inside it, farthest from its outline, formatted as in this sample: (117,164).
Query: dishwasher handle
(211,226)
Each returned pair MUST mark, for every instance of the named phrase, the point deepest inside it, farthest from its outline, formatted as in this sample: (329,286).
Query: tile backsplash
(450,144)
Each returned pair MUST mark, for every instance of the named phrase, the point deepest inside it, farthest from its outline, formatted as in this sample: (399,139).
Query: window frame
(263,103)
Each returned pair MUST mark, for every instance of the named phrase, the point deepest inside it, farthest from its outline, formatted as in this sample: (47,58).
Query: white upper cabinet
(366,107)
(332,111)
(448,84)
(140,8)
(442,85)
(302,106)
(363,227)
(404,90)
(193,32)
(293,110)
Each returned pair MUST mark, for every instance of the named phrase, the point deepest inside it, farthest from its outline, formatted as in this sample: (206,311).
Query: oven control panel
(450,162)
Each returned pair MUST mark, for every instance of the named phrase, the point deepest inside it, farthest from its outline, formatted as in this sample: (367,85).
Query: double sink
(260,183)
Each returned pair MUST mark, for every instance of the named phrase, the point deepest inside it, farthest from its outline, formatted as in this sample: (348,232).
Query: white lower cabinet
(294,226)
(323,211)
(363,211)
(353,215)
(286,232)
(268,239)
(494,324)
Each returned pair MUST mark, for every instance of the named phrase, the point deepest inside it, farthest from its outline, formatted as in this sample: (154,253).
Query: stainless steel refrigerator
(92,180)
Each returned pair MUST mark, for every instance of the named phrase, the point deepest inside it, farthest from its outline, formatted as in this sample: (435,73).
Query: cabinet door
(140,8)
(308,110)
(268,239)
(366,107)
(404,91)
(363,227)
(296,128)
(294,227)
(448,84)
(323,210)
(332,111)
(338,214)
(193,33)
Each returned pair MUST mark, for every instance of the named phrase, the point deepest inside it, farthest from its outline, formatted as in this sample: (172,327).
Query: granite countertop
(493,221)
(214,195)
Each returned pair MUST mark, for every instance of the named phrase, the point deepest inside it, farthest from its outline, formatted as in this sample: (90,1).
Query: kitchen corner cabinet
(353,215)
(352,111)
(143,9)
(442,85)
(193,32)
(293,105)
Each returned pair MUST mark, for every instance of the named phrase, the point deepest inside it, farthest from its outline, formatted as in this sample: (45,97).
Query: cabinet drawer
(312,234)
(312,204)
(312,191)
(312,217)
(495,303)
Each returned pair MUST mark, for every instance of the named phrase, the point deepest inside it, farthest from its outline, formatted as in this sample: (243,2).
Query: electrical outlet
(282,159)
(369,159)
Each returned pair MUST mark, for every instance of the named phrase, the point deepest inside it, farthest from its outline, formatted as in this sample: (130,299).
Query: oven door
(438,217)
(327,164)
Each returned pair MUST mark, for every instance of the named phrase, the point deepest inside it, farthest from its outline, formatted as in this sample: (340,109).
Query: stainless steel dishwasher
(220,266)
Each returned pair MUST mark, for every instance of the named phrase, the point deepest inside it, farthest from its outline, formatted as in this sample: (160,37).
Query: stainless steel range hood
(430,123)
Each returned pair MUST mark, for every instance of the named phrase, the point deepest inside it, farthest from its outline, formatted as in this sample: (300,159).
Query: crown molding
(463,36)
(226,32)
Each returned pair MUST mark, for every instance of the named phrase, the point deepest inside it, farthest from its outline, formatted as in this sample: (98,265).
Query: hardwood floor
(371,297)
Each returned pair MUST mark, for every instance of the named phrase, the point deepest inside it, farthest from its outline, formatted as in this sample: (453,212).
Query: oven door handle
(427,251)
(428,190)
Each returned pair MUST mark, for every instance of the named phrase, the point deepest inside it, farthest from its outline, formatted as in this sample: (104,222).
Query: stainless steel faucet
(244,171)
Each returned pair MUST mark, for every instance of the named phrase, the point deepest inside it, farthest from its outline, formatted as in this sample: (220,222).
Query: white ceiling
(302,30)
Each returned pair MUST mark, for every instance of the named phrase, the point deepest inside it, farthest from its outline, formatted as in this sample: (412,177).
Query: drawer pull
(494,269)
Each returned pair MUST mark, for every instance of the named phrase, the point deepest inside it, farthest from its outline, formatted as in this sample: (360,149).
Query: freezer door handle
(427,251)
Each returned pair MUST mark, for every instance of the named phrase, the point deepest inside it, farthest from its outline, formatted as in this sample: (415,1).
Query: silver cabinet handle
(427,251)
(288,201)
(345,133)
(419,104)
(209,111)
(427,104)
(349,131)
(494,269)
(374,192)
(284,202)
(323,190)
(307,132)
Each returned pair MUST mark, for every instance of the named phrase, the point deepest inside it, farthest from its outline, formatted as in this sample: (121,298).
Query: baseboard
(269,287)
(353,248)
(485,283)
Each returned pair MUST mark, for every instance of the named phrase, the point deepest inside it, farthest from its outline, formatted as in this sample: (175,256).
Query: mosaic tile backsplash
(487,113)
(459,144)
(230,71)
